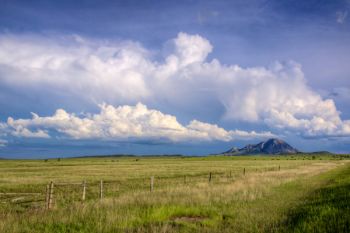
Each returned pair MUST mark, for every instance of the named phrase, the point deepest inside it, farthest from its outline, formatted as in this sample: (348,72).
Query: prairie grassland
(264,198)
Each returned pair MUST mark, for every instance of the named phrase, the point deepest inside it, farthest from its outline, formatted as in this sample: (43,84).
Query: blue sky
(165,77)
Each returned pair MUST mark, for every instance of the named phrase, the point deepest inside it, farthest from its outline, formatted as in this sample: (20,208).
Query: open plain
(188,194)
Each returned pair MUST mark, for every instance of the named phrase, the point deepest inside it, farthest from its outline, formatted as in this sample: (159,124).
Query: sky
(172,77)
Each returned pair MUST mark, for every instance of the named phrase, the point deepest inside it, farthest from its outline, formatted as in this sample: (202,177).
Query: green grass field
(245,194)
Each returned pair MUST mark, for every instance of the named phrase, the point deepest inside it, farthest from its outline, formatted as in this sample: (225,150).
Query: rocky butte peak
(270,146)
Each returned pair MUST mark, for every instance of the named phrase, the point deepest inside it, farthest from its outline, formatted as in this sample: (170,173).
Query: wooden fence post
(209,177)
(50,202)
(101,189)
(243,171)
(47,195)
(151,185)
(84,191)
(279,167)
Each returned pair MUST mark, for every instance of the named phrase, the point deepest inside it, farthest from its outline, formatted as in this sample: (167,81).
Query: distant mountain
(271,146)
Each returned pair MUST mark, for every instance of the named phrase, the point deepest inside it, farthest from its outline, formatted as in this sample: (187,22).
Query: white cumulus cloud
(184,80)
(124,122)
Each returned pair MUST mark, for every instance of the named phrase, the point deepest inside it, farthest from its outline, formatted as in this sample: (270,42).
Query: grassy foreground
(245,194)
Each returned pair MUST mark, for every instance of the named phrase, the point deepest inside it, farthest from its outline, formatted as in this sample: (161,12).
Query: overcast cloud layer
(180,76)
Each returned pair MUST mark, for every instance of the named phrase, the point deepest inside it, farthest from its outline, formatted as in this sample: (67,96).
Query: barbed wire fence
(57,194)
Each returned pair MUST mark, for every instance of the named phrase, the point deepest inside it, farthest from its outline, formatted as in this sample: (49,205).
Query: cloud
(341,16)
(3,142)
(123,122)
(184,80)
(341,92)
(190,49)
(204,16)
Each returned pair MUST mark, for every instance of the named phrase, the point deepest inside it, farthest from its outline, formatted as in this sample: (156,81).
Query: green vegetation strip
(326,209)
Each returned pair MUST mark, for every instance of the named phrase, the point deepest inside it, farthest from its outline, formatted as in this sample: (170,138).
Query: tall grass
(261,200)
(326,209)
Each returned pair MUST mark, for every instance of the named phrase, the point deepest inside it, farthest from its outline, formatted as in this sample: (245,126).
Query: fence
(58,193)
